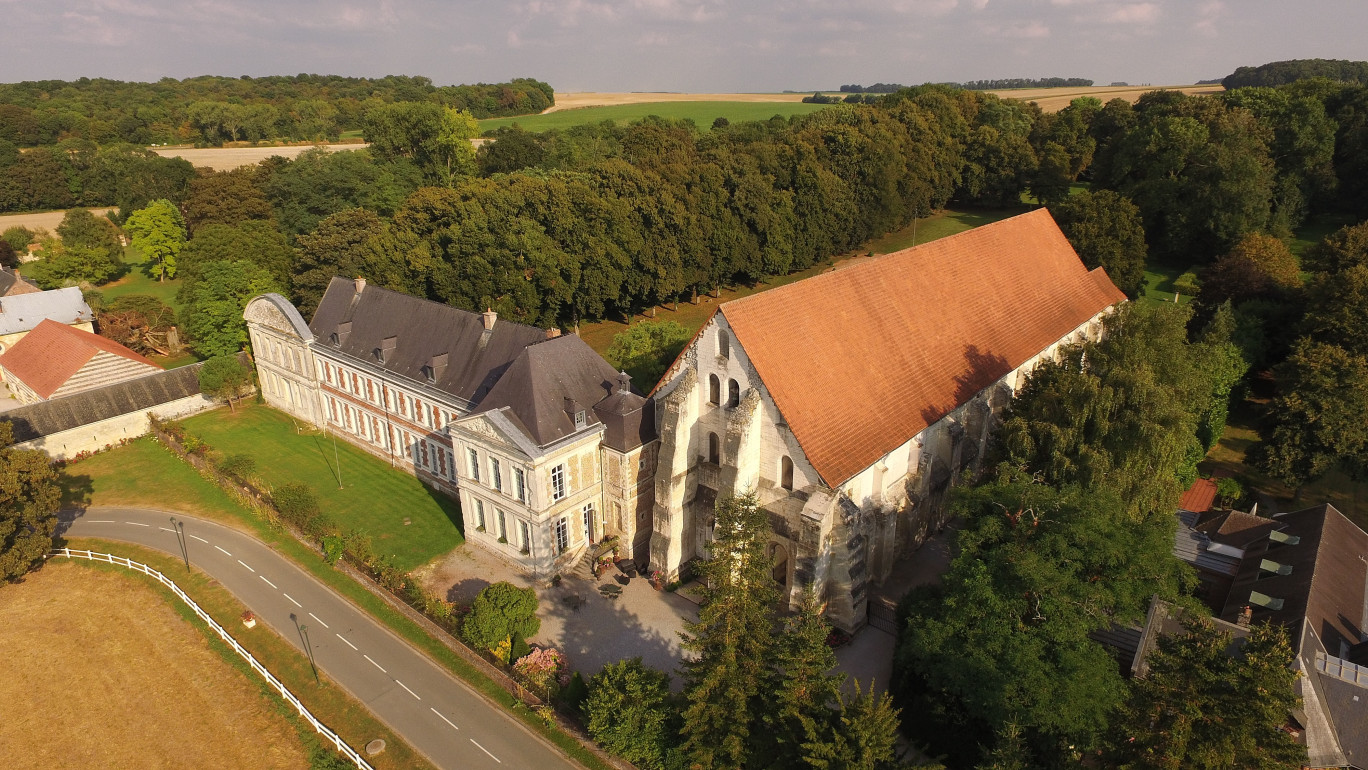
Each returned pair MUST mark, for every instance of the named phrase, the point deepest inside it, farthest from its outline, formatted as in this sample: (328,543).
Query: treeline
(211,110)
(821,98)
(1283,72)
(1001,83)
(877,88)
(81,173)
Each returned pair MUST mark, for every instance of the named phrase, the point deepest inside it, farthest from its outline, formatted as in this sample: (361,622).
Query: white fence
(342,747)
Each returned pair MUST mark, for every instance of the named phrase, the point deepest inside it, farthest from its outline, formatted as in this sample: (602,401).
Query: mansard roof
(55,357)
(357,320)
(547,383)
(861,359)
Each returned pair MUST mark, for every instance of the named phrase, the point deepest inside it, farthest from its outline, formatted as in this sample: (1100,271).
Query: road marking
(243,563)
(485,750)
(136,524)
(315,617)
(101,521)
(225,552)
(164,529)
(297,604)
(444,719)
(343,638)
(373,663)
(197,537)
(410,692)
(263,577)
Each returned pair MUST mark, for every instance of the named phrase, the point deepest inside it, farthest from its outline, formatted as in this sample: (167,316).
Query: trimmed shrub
(501,612)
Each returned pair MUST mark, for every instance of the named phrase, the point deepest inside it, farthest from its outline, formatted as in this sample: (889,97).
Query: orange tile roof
(53,353)
(860,360)
(1199,497)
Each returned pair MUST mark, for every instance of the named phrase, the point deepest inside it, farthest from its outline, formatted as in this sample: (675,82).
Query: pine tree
(801,706)
(864,738)
(732,640)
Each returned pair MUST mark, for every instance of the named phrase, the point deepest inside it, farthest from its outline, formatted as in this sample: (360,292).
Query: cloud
(1134,13)
(1208,18)
(1018,30)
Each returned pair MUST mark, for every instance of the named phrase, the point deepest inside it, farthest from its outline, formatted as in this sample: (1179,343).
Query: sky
(674,45)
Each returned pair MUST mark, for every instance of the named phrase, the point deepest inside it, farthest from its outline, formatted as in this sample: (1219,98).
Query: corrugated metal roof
(860,360)
(21,312)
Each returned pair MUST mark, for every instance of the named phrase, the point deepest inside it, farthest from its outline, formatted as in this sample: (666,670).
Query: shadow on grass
(331,459)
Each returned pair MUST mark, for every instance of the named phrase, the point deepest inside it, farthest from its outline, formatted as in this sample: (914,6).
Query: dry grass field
(102,672)
(1056,99)
(229,158)
(47,220)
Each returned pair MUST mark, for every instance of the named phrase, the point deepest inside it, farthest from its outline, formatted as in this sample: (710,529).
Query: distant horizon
(687,46)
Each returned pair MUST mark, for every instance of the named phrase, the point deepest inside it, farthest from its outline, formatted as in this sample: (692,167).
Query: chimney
(1246,617)
(624,383)
(360,284)
(551,334)
(489,318)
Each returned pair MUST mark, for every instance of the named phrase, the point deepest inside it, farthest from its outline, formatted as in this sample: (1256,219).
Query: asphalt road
(439,715)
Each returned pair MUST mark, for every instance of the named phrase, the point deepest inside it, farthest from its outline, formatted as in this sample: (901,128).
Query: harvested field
(594,99)
(104,673)
(229,158)
(1056,99)
(47,220)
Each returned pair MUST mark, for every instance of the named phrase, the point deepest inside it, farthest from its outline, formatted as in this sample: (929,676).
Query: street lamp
(178,527)
(308,647)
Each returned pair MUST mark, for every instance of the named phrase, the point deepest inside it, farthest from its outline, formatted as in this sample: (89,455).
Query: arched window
(714,390)
(714,449)
(723,343)
(786,472)
(733,393)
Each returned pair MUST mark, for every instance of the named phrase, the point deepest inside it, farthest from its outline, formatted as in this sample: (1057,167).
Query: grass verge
(407,521)
(329,702)
(145,474)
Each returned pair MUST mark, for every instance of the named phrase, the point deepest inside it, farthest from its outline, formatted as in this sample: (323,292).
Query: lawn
(139,280)
(701,113)
(405,518)
(1314,230)
(1163,281)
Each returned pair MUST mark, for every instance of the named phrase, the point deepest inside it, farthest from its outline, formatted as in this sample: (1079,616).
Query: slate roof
(629,419)
(52,417)
(22,312)
(13,284)
(535,386)
(424,329)
(860,360)
(51,355)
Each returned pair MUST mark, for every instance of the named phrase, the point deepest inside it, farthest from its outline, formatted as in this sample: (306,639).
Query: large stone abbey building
(848,402)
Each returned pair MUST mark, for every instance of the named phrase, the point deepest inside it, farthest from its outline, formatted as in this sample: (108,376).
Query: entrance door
(590,531)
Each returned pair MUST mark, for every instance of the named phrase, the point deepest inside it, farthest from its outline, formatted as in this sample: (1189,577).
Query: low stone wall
(105,433)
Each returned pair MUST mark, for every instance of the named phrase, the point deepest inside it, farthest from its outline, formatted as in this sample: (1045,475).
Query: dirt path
(103,673)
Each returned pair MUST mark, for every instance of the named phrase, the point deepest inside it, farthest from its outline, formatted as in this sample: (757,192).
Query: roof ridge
(472,313)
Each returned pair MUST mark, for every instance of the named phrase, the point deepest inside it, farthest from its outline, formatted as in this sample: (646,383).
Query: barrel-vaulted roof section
(861,359)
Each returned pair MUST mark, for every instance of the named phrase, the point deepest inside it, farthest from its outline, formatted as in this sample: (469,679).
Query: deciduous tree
(501,612)
(159,233)
(29,497)
(1104,227)
(631,713)
(224,377)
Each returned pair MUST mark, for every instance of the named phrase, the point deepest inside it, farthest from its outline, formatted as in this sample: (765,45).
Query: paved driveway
(439,715)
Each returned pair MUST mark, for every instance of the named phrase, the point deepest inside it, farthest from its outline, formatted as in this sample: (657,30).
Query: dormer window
(386,349)
(579,420)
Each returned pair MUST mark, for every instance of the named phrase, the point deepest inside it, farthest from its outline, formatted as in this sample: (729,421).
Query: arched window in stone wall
(723,343)
(733,393)
(714,390)
(714,449)
(786,472)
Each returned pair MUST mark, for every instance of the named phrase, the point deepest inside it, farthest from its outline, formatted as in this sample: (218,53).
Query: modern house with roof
(21,312)
(850,401)
(533,431)
(55,360)
(1304,570)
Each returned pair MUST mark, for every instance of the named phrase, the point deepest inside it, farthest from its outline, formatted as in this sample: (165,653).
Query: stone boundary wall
(100,435)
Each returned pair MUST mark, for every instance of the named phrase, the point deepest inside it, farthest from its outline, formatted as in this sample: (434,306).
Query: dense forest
(212,110)
(1280,73)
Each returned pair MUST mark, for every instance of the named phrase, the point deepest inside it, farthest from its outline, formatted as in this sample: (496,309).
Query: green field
(373,497)
(701,113)
(139,280)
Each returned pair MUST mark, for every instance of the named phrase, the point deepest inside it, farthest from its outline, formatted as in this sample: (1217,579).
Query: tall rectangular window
(519,485)
(452,460)
(557,482)
(474,464)
(590,523)
(479,514)
(561,531)
(524,537)
(499,519)
(495,474)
